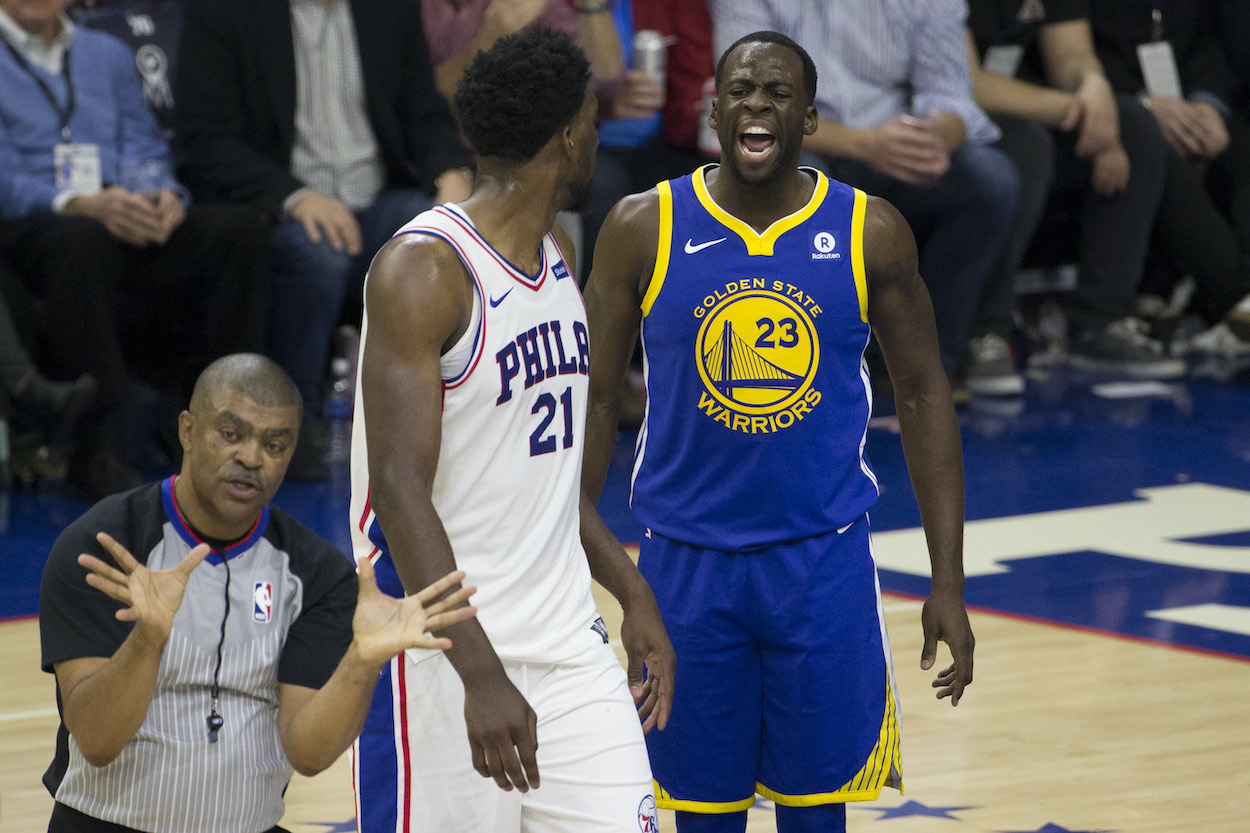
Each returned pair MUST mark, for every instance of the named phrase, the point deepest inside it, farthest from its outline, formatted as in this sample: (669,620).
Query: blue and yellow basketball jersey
(758,396)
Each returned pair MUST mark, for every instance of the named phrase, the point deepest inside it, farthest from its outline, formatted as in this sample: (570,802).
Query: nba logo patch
(648,820)
(560,270)
(262,601)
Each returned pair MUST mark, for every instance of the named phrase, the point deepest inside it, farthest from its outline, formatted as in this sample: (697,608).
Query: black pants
(1114,231)
(1204,222)
(68,820)
(103,305)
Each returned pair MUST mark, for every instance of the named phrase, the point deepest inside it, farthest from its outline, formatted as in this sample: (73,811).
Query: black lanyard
(63,114)
(1156,21)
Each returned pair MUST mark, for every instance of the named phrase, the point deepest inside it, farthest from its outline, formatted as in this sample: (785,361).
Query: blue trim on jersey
(377,765)
(458,216)
(215,557)
(479,336)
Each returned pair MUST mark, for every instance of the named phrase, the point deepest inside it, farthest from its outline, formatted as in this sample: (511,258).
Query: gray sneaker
(989,370)
(1238,319)
(1122,348)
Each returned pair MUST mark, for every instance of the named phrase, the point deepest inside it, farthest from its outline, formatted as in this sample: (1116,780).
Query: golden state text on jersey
(758,395)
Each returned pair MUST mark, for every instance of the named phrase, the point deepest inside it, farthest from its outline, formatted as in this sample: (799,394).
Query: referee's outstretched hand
(152,597)
(384,625)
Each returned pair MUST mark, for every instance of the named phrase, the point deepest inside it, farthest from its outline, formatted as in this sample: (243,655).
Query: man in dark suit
(1206,229)
(323,114)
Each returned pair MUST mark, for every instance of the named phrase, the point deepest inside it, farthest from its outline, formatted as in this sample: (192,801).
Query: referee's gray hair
(257,377)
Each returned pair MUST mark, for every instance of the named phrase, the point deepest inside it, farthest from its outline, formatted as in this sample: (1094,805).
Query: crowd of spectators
(237,208)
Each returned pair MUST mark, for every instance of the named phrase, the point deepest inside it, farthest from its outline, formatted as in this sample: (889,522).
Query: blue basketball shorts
(784,684)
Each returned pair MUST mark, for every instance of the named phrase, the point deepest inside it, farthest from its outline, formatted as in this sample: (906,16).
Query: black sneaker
(1123,348)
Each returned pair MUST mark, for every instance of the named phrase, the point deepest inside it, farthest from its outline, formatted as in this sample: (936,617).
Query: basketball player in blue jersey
(755,286)
(467,450)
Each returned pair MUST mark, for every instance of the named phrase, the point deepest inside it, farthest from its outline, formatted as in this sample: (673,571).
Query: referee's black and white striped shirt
(292,596)
(875,59)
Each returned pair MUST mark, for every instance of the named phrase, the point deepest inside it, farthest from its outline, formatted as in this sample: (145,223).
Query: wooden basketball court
(1077,730)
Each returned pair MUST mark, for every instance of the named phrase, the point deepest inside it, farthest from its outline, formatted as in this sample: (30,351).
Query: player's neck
(513,215)
(761,204)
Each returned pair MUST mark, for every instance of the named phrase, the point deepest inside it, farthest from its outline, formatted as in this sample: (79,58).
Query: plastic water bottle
(339,404)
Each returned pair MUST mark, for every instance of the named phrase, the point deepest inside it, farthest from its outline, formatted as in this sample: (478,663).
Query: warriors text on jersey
(758,396)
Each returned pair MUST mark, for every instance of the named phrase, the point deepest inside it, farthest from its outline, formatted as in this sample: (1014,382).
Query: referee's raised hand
(152,597)
(384,626)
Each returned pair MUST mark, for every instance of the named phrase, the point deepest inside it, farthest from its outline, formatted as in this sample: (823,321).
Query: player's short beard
(580,195)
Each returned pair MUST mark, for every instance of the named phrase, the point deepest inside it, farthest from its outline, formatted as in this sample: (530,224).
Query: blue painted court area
(1145,490)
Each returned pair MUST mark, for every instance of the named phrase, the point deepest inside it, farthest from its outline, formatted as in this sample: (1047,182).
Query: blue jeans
(311,282)
(961,224)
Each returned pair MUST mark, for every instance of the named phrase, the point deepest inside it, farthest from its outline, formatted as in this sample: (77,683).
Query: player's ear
(811,120)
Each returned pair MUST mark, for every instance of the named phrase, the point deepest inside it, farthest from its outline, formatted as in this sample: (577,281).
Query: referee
(205,644)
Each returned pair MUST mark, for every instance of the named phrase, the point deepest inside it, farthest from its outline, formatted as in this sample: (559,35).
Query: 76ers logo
(262,601)
(648,821)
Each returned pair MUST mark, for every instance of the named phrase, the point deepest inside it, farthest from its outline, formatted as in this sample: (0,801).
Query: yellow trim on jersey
(662,248)
(883,769)
(666,802)
(759,244)
(857,252)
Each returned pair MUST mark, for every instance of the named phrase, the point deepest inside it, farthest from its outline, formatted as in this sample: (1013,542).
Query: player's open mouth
(756,142)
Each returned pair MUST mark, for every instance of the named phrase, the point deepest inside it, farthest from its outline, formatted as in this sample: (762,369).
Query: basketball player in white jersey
(467,453)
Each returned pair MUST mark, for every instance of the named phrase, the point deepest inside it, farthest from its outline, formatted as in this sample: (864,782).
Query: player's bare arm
(625,259)
(901,316)
(420,299)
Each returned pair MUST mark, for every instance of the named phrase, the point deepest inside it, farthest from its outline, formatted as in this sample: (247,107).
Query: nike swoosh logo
(494,302)
(691,248)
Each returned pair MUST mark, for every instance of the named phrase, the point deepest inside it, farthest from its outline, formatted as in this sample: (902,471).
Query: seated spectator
(56,408)
(1204,216)
(458,29)
(634,148)
(1232,19)
(101,233)
(323,116)
(898,120)
(1039,79)
(137,610)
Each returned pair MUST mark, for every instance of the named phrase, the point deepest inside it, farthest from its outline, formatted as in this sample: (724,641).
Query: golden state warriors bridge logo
(757,353)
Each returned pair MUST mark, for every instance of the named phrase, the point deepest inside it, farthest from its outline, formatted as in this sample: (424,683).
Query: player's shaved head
(257,377)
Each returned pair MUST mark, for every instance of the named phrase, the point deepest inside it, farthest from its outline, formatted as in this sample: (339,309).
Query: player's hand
(383,625)
(647,648)
(328,219)
(503,734)
(945,619)
(152,597)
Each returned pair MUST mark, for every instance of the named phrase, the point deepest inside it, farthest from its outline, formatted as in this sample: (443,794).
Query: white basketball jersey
(509,470)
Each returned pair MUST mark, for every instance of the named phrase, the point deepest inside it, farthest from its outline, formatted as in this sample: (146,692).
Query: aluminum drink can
(651,56)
